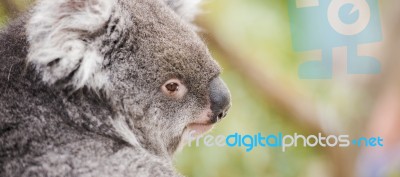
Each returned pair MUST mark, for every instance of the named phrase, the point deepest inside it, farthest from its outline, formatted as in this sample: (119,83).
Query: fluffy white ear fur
(57,47)
(187,9)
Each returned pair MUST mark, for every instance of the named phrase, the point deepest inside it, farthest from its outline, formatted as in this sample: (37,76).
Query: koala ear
(187,9)
(60,34)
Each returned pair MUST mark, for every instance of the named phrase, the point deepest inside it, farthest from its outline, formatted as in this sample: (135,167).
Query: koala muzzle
(220,98)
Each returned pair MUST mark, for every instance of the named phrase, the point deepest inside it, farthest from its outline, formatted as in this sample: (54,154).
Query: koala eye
(174,88)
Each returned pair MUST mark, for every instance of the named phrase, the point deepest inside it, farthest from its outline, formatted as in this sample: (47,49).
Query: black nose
(220,99)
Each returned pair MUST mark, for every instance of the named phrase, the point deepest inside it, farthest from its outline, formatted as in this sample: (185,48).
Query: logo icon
(326,24)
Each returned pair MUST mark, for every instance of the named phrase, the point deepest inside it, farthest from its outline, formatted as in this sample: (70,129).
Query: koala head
(143,54)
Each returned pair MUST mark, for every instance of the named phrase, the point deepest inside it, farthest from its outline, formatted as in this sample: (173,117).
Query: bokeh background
(251,39)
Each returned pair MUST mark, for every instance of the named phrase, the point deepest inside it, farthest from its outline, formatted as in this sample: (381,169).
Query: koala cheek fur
(104,88)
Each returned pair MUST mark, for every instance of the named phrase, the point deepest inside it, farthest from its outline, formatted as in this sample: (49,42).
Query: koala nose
(220,98)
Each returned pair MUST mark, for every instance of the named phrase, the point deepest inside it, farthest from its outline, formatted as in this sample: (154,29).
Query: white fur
(54,31)
(123,129)
(187,9)
(190,9)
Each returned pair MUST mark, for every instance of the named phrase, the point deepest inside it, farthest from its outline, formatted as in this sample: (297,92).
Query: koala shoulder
(90,158)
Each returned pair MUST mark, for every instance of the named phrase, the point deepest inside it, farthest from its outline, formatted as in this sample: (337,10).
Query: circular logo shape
(334,16)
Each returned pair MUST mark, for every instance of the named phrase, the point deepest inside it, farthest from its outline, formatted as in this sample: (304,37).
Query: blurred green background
(258,30)
(251,40)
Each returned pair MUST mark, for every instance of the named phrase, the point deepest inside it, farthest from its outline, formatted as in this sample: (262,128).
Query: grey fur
(124,126)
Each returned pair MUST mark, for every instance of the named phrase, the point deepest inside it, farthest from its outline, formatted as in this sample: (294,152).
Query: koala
(104,88)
